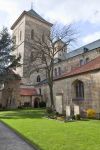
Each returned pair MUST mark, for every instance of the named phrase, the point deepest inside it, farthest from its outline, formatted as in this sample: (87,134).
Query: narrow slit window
(32,34)
(20,35)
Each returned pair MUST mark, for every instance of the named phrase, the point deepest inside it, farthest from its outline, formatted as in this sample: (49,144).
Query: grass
(51,134)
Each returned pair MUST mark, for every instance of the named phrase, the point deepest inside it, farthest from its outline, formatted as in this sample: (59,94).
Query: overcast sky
(85,14)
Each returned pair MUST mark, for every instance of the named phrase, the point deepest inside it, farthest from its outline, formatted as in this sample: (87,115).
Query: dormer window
(32,34)
(85,49)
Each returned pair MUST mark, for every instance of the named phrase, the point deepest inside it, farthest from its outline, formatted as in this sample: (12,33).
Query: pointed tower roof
(33,14)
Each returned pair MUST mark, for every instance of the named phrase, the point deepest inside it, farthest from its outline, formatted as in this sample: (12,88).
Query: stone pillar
(76,110)
(59,108)
(68,111)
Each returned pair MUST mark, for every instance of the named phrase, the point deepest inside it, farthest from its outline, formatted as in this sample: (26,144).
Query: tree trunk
(51,96)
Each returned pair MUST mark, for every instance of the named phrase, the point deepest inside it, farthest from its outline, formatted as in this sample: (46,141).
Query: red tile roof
(90,66)
(28,91)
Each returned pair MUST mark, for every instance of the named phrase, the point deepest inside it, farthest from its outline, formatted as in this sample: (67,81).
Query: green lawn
(52,134)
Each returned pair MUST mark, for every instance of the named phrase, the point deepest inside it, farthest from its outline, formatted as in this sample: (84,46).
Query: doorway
(36,103)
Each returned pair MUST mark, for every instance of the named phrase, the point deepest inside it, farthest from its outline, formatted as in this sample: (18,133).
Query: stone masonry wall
(73,62)
(20,27)
(11,94)
(39,29)
(65,88)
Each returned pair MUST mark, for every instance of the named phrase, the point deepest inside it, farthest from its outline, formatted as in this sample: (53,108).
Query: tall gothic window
(79,89)
(32,34)
(38,78)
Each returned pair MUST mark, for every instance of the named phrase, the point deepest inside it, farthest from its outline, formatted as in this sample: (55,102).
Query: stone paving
(10,141)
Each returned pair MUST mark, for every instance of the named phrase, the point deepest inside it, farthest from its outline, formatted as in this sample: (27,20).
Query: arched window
(59,70)
(87,60)
(32,34)
(38,78)
(81,62)
(55,71)
(79,89)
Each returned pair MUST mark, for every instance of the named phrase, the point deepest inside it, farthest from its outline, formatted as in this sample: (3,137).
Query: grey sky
(84,13)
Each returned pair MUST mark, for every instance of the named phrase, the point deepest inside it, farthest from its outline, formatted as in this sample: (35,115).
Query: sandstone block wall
(11,94)
(65,88)
(73,62)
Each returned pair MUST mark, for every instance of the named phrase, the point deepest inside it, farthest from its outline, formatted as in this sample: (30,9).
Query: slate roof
(90,46)
(28,91)
(33,14)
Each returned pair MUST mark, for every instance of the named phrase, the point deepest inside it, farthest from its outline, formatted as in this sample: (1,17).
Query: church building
(76,75)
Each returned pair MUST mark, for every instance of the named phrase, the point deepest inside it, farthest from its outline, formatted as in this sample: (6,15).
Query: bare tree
(45,49)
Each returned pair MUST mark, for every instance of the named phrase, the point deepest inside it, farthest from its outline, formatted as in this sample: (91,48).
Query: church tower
(26,27)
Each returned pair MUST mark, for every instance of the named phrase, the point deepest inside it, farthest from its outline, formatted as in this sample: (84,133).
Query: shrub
(91,113)
(56,113)
(73,117)
(62,118)
(78,117)
(20,107)
(52,117)
(49,110)
(42,104)
(26,104)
